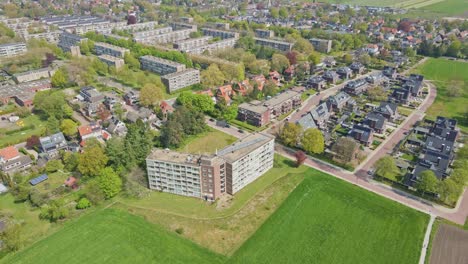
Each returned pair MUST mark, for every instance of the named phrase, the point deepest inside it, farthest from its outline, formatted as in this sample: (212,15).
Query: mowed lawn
(449,7)
(442,72)
(207,142)
(326,220)
(113,236)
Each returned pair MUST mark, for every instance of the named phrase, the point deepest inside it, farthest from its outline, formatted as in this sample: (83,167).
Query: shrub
(179,230)
(83,203)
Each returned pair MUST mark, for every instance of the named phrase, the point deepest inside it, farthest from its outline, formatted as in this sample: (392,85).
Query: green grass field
(113,236)
(449,7)
(324,219)
(207,142)
(328,221)
(20,136)
(441,72)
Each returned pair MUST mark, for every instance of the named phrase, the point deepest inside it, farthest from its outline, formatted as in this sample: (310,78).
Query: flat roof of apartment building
(109,58)
(159,60)
(280,98)
(177,74)
(244,146)
(254,106)
(172,156)
(110,46)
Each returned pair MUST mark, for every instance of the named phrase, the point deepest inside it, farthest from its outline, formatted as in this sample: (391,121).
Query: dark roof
(439,145)
(375,120)
(365,132)
(307,121)
(443,122)
(39,179)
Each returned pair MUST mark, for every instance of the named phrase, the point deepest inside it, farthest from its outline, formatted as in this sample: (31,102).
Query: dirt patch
(450,246)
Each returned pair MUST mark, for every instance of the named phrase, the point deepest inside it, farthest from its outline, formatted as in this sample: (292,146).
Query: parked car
(240,131)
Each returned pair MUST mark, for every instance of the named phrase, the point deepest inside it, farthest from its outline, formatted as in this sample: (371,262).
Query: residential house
(375,121)
(275,77)
(362,133)
(356,87)
(401,96)
(338,101)
(372,49)
(117,127)
(51,145)
(225,93)
(166,109)
(321,115)
(307,121)
(388,110)
(131,98)
(316,82)
(93,130)
(390,72)
(331,77)
(357,67)
(344,72)
(12,161)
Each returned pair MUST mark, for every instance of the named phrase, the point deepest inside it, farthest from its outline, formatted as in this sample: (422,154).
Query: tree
(274,12)
(69,127)
(454,48)
(109,182)
(54,211)
(314,58)
(279,62)
(198,102)
(172,134)
(292,57)
(290,133)
(59,79)
(32,141)
(303,46)
(283,13)
(386,167)
(92,160)
(427,182)
(54,165)
(347,58)
(70,160)
(83,203)
(300,158)
(138,143)
(364,59)
(52,125)
(118,156)
(449,191)
(132,62)
(51,103)
(11,237)
(93,192)
(23,111)
(212,76)
(345,149)
(270,88)
(312,141)
(150,95)
(410,52)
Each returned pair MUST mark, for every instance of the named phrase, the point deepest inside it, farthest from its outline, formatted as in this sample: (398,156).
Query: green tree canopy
(198,102)
(290,133)
(312,141)
(386,167)
(60,78)
(69,127)
(427,182)
(109,182)
(212,76)
(151,95)
(279,62)
(92,160)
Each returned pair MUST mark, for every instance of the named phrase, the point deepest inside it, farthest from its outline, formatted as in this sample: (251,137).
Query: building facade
(12,49)
(102,48)
(321,45)
(160,66)
(275,44)
(178,80)
(209,176)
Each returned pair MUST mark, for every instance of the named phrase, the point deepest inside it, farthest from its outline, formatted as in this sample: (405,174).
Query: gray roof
(307,121)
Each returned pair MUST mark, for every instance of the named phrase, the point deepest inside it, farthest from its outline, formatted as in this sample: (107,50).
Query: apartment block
(321,45)
(259,113)
(209,176)
(219,33)
(180,25)
(190,44)
(50,36)
(33,75)
(82,24)
(139,36)
(160,66)
(12,49)
(178,80)
(264,33)
(102,48)
(68,40)
(112,61)
(163,35)
(275,44)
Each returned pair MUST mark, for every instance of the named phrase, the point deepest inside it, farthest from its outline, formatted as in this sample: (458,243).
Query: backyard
(447,103)
(14,133)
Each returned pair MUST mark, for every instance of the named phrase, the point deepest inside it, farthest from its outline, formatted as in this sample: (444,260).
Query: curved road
(360,178)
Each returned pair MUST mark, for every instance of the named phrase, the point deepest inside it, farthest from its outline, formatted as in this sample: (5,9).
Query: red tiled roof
(70,181)
(166,107)
(9,153)
(84,130)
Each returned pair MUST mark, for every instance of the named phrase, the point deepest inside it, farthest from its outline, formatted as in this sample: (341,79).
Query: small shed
(70,182)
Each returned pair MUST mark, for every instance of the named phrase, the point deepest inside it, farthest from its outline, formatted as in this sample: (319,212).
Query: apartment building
(68,40)
(178,80)
(112,61)
(219,33)
(140,36)
(180,25)
(259,113)
(102,48)
(23,93)
(209,176)
(12,49)
(321,45)
(160,66)
(82,24)
(190,44)
(162,35)
(264,33)
(275,44)
(49,36)
(33,75)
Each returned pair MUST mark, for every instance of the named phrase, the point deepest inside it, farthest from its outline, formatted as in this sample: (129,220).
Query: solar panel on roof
(39,179)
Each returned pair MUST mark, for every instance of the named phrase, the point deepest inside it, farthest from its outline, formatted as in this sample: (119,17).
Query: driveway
(232,130)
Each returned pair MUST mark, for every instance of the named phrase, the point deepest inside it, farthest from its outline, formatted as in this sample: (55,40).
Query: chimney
(442,147)
(438,160)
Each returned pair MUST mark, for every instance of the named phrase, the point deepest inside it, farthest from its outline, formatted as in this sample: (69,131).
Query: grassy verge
(33,123)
